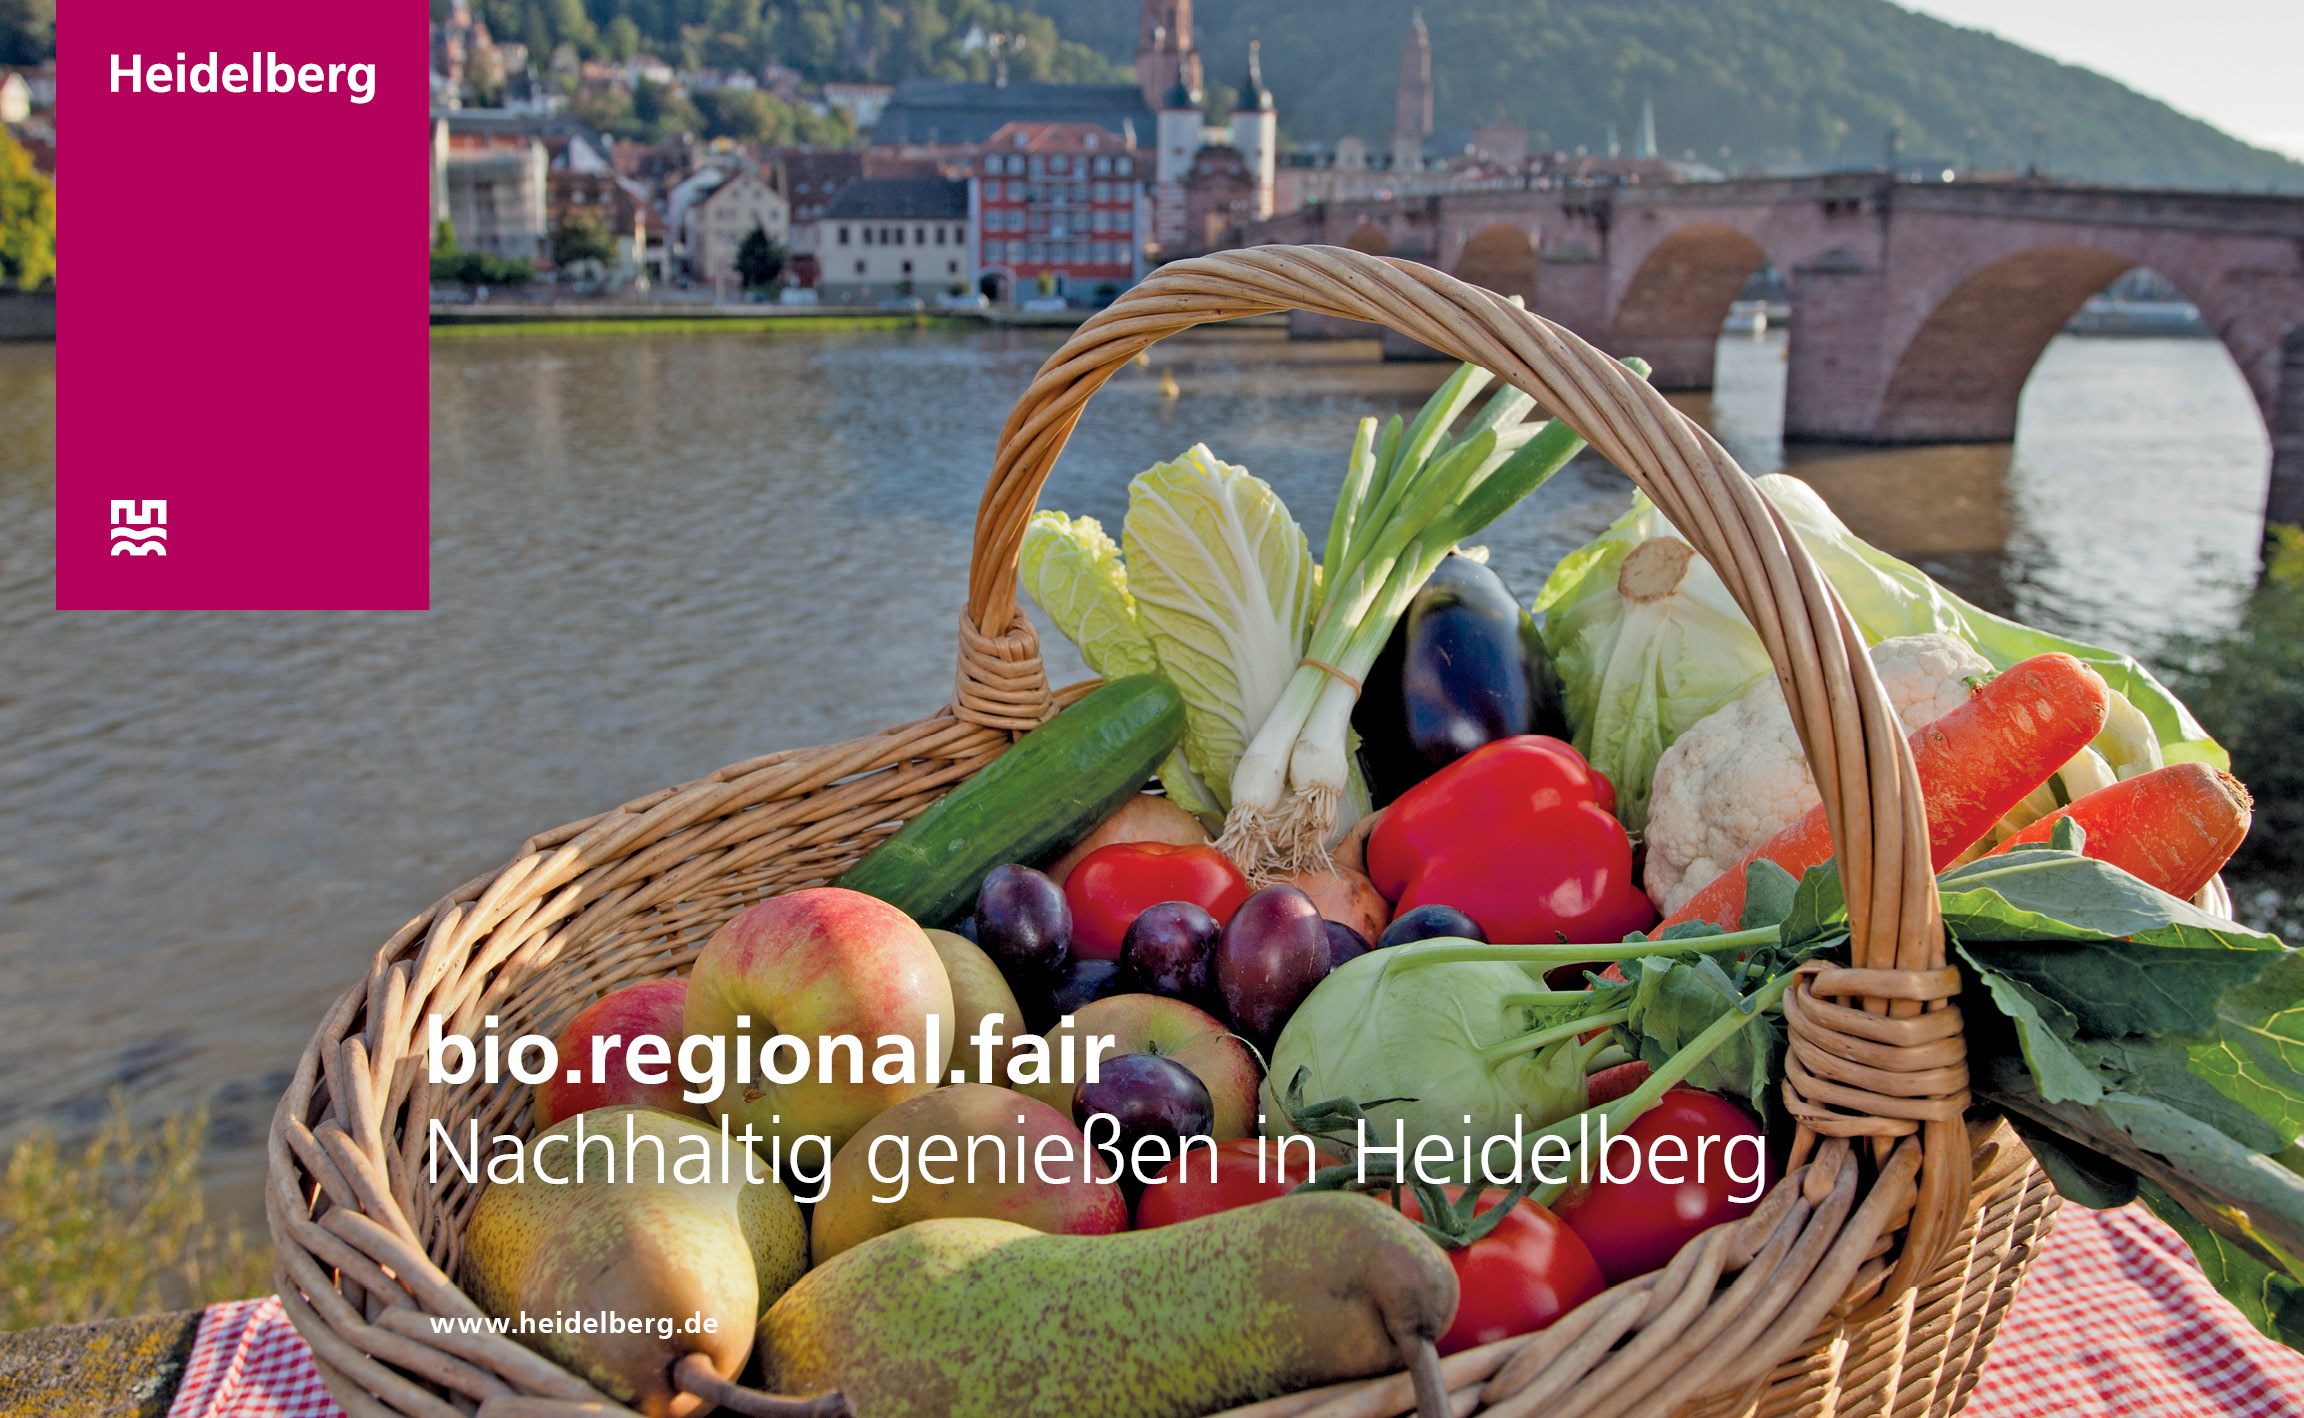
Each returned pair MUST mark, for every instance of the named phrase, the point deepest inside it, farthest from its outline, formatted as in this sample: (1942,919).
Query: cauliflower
(1739,777)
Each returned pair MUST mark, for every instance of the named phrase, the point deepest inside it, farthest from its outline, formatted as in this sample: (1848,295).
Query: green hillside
(1773,81)
(822,39)
(27,31)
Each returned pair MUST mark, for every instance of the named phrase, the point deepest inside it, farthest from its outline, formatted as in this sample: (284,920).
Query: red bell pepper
(1517,835)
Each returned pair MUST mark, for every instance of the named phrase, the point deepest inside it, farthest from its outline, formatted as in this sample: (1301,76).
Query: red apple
(812,964)
(1155,1024)
(652,1008)
(854,1209)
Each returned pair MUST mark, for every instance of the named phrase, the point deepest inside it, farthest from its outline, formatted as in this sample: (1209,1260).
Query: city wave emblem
(139,528)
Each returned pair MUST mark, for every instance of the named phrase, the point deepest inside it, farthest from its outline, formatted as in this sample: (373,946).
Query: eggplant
(1464,667)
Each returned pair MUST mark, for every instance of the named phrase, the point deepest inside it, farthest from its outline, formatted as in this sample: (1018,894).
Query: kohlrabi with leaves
(1447,1042)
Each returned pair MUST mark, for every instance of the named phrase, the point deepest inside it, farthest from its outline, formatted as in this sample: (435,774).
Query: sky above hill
(2231,62)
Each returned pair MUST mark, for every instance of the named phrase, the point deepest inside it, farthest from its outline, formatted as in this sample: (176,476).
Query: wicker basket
(1870,1280)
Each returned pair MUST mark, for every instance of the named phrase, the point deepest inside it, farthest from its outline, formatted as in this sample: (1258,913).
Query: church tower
(1164,52)
(1413,123)
(1256,129)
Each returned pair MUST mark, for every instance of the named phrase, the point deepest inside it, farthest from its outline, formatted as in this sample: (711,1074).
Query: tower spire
(1164,52)
(1412,122)
(1253,94)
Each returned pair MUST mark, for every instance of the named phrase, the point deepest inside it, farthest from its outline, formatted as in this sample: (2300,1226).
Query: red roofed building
(1065,200)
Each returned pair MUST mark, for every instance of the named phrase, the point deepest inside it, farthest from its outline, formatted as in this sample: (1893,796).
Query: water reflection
(656,555)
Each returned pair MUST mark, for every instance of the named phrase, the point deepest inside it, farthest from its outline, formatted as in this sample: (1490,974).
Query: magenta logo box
(243,219)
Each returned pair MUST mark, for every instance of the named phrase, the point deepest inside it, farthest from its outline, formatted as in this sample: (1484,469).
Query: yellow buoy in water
(1168,387)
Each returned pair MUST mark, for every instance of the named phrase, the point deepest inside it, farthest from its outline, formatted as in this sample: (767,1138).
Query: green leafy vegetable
(2051,893)
(1455,1039)
(1770,893)
(2272,1301)
(2122,987)
(1674,1001)
(2121,957)
(2152,1039)
(1223,583)
(2160,1069)
(2088,1178)
(1638,670)
(2044,1031)
(1073,570)
(2256,1055)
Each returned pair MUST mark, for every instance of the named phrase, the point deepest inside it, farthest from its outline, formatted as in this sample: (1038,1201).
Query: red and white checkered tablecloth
(2115,1319)
(249,1362)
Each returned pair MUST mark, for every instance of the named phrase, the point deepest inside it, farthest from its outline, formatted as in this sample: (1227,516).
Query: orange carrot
(2173,827)
(1975,764)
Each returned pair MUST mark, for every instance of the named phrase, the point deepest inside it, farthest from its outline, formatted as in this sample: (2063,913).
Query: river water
(655,555)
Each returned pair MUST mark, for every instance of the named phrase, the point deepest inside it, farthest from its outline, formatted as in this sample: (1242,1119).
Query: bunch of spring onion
(1408,498)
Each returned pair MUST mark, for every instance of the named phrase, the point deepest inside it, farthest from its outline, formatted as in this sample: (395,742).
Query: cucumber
(1041,796)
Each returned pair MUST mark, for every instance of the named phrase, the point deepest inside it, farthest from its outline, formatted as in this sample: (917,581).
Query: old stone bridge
(1918,309)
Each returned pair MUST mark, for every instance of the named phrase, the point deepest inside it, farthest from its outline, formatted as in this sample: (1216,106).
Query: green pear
(977,1318)
(978,989)
(704,1256)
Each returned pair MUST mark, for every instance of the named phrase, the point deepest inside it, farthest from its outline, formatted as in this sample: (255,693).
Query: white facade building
(494,195)
(722,218)
(888,237)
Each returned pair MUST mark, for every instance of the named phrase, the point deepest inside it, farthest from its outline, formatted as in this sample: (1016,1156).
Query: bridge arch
(1961,373)
(1500,257)
(1672,309)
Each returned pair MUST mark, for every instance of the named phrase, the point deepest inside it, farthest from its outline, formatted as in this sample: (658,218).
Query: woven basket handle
(1854,742)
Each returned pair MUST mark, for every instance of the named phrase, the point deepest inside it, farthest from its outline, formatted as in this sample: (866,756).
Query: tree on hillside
(759,260)
(622,38)
(609,110)
(664,111)
(27,220)
(580,237)
(27,31)
(823,39)
(742,114)
(570,23)
(750,116)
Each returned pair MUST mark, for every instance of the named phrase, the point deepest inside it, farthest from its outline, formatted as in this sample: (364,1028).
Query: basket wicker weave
(1870,1280)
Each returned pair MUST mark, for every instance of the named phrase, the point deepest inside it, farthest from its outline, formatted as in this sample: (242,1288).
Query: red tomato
(1518,1278)
(1637,1226)
(1187,1197)
(1114,885)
